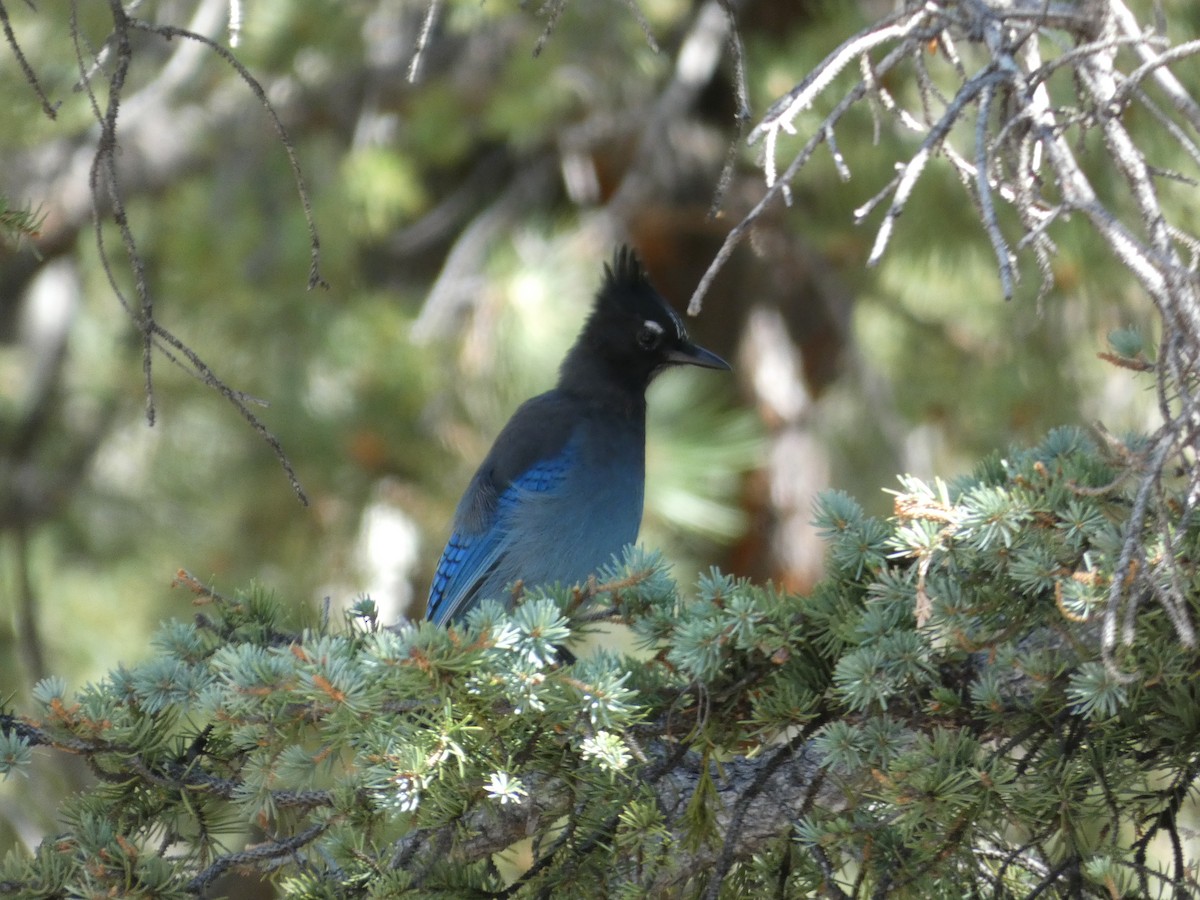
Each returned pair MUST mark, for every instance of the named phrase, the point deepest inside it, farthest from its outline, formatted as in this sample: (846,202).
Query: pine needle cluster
(935,720)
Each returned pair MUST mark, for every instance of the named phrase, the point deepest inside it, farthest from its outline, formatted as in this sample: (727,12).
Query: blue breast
(557,521)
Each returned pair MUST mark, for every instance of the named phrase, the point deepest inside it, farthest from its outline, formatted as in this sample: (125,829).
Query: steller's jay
(561,490)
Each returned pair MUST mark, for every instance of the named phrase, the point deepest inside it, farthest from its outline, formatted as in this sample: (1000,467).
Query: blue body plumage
(561,490)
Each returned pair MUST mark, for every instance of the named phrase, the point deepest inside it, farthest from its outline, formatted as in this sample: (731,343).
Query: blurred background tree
(468,166)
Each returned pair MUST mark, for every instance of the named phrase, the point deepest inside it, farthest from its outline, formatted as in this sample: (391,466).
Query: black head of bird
(631,335)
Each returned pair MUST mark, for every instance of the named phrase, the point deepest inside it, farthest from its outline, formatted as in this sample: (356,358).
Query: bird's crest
(626,269)
(627,287)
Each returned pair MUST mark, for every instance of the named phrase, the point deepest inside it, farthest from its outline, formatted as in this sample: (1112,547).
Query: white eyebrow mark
(653,326)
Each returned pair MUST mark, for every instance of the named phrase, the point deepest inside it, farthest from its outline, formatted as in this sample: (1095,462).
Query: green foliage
(943,686)
(18,224)
(15,753)
(944,674)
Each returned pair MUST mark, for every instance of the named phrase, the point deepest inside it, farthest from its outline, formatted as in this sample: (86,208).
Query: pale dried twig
(104,180)
(1023,155)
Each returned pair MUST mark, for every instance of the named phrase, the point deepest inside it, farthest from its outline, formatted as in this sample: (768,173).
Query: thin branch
(50,109)
(643,23)
(28,632)
(553,9)
(104,170)
(1183,101)
(983,190)
(739,231)
(914,167)
(275,849)
(742,114)
(431,14)
(315,279)
(104,165)
(784,111)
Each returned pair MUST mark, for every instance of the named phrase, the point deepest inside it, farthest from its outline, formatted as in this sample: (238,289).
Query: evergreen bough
(935,720)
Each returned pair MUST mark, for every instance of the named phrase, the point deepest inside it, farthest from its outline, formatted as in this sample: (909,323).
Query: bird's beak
(687,354)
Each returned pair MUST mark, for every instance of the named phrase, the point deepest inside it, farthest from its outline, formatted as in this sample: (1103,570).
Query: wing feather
(474,554)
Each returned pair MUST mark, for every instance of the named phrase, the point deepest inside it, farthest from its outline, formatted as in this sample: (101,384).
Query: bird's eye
(649,335)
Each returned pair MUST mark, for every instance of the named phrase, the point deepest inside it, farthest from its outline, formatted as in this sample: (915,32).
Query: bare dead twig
(104,178)
(431,16)
(270,850)
(50,109)
(315,279)
(1023,154)
(778,186)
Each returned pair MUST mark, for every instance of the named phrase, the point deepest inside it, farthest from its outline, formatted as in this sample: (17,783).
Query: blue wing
(483,534)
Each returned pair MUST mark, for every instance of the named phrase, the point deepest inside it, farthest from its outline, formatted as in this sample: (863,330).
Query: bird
(561,490)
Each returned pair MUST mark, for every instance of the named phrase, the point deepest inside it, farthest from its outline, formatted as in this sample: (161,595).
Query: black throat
(604,384)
